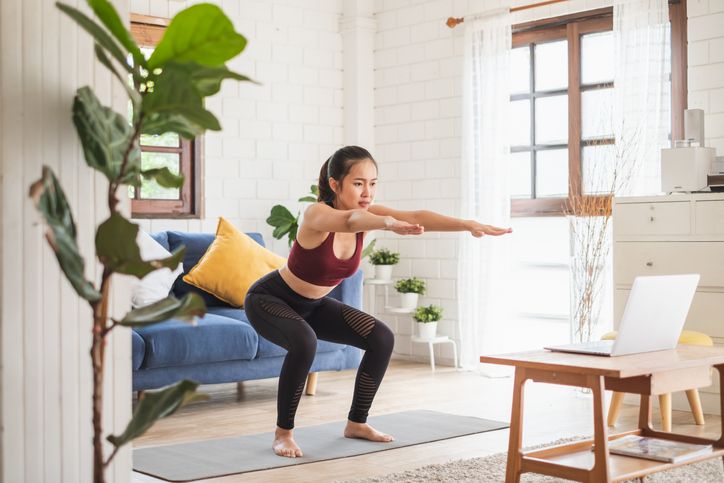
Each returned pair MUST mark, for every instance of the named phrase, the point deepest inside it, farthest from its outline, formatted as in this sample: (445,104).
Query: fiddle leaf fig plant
(166,93)
(284,222)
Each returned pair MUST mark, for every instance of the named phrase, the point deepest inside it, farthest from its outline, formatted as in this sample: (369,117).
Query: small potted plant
(383,259)
(427,318)
(410,289)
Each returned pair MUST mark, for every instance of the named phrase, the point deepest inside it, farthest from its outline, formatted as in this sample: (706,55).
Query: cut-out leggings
(293,322)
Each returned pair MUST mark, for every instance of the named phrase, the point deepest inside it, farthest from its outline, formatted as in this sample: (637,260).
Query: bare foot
(365,431)
(284,444)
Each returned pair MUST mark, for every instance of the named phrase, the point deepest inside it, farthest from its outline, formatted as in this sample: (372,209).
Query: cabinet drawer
(710,217)
(631,259)
(672,218)
(705,315)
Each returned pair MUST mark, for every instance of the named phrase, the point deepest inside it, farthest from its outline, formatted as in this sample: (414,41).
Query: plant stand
(442,339)
(373,283)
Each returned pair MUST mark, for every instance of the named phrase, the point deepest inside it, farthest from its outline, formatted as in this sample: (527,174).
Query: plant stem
(101,329)
(112,199)
(100,316)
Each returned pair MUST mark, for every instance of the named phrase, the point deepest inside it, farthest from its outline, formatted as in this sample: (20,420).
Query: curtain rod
(452,22)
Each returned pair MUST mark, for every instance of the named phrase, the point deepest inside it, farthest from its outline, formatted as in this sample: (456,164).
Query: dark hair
(338,166)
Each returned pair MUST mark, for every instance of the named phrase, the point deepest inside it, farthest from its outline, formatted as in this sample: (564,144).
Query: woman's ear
(333,184)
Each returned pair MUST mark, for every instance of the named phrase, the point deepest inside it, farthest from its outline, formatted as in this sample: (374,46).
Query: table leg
(600,471)
(665,410)
(432,355)
(515,442)
(645,413)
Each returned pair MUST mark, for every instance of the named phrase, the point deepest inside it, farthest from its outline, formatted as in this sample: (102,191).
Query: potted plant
(410,289)
(166,93)
(426,318)
(383,259)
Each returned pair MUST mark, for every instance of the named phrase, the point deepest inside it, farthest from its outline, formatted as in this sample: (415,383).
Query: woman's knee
(382,338)
(304,341)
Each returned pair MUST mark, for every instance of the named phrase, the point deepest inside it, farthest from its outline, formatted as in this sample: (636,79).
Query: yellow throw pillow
(233,262)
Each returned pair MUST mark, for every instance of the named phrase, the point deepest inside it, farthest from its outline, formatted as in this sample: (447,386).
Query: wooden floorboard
(551,412)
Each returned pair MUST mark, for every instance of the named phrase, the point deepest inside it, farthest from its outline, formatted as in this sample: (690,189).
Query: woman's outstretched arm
(322,218)
(432,221)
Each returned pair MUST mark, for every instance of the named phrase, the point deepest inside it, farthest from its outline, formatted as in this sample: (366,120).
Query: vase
(383,272)
(408,300)
(426,330)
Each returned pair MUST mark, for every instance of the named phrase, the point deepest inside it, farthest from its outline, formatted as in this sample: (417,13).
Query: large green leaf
(108,15)
(105,136)
(156,405)
(164,177)
(188,308)
(117,249)
(207,80)
(202,34)
(279,216)
(98,33)
(175,95)
(281,230)
(161,123)
(61,234)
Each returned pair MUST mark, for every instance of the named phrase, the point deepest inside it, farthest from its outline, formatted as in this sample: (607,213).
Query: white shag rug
(492,469)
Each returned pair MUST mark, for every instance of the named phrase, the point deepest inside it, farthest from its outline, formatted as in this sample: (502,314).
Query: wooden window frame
(147,31)
(570,28)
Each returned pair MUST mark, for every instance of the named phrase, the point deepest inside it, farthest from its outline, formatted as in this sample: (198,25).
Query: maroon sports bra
(320,266)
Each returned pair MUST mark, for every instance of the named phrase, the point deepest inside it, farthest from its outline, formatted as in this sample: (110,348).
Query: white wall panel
(45,330)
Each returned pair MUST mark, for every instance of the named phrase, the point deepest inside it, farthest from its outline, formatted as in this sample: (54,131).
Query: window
(167,150)
(562,79)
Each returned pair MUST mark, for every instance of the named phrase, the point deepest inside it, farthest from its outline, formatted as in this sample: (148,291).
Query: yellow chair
(688,337)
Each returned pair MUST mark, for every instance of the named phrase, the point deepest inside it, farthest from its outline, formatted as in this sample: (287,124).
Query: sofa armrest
(350,290)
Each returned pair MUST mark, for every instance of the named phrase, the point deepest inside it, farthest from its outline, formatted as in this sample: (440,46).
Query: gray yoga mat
(240,454)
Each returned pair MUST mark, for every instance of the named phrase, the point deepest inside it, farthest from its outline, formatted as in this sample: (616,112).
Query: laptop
(654,316)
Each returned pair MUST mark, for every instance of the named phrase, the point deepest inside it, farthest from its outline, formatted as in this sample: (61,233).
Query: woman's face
(358,187)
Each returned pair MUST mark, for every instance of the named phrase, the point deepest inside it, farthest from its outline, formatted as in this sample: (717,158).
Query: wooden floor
(552,412)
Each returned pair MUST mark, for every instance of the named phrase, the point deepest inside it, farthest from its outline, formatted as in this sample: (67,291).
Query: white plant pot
(383,272)
(426,330)
(408,300)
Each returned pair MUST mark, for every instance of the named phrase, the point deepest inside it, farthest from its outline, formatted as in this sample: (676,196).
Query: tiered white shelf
(373,283)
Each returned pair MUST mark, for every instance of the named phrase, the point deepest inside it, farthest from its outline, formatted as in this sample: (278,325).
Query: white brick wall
(418,67)
(275,136)
(706,66)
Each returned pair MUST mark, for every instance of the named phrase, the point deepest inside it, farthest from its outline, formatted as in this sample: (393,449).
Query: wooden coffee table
(648,374)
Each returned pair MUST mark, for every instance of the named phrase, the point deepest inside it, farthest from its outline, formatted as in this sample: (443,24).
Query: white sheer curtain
(642,90)
(483,263)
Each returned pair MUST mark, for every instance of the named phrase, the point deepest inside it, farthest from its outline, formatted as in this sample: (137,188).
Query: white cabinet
(668,235)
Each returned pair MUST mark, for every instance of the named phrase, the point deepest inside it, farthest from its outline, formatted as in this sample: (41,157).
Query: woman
(290,308)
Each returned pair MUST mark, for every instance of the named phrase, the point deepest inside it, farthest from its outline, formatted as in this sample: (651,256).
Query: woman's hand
(478,229)
(403,227)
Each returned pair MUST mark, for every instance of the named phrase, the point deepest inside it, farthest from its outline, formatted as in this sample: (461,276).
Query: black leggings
(293,322)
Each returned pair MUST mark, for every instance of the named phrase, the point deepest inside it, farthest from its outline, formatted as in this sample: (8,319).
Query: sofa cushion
(162,238)
(138,349)
(213,339)
(156,285)
(270,349)
(196,245)
(266,348)
(232,263)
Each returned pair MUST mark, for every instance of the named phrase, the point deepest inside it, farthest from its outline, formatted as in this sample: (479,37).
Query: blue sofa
(222,347)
